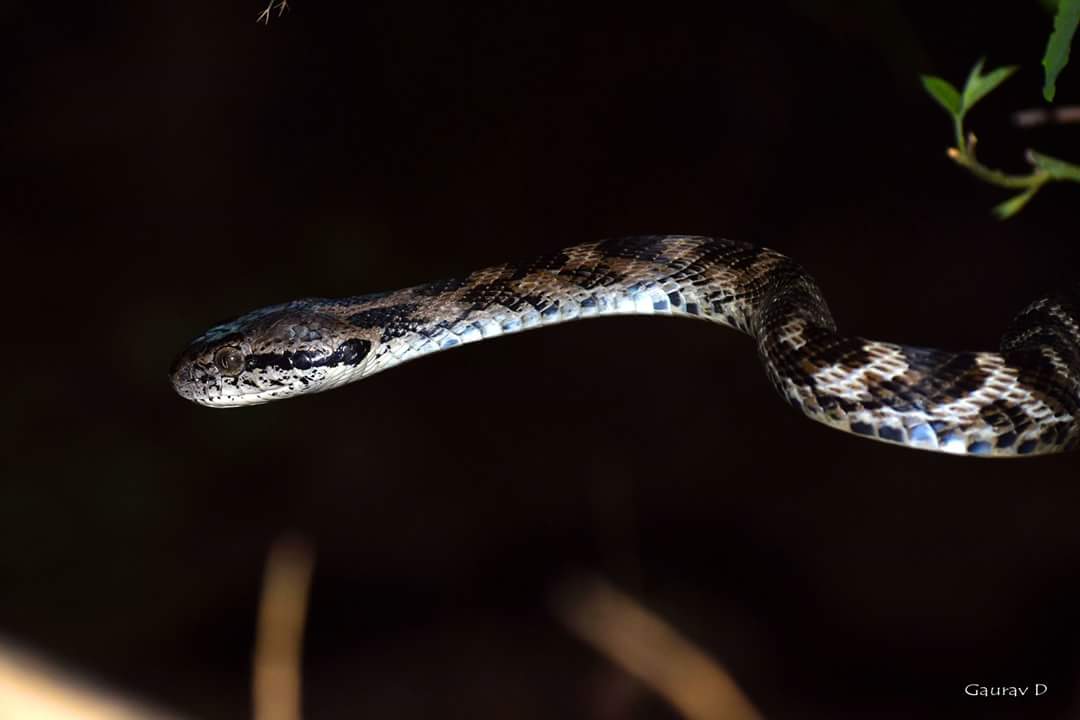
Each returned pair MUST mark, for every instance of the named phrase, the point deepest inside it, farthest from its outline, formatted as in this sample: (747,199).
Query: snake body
(1022,400)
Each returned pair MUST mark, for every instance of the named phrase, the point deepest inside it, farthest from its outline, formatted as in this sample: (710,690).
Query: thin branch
(996,177)
(282,6)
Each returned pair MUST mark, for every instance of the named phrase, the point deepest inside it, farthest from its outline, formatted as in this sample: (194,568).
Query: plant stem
(958,128)
(961,157)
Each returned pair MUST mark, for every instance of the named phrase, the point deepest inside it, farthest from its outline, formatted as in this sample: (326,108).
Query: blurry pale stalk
(651,650)
(279,639)
(1034,117)
(32,690)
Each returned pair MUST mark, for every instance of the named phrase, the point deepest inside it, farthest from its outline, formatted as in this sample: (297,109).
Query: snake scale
(1021,401)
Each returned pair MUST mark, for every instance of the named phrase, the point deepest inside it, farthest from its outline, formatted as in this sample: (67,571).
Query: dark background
(172,164)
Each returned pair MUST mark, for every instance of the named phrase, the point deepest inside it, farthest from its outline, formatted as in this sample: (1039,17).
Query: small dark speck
(862,428)
(888,432)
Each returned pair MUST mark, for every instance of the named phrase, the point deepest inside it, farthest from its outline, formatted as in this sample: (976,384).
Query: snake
(1022,400)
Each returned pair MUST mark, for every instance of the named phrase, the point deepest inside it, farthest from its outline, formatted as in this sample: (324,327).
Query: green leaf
(1014,204)
(1055,168)
(1057,47)
(942,91)
(978,85)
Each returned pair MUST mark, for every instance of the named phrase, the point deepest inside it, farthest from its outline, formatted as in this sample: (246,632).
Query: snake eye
(229,360)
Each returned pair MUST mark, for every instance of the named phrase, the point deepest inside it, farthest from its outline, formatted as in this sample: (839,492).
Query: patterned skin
(1021,401)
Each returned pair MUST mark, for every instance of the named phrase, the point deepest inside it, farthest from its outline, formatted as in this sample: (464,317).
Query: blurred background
(173,164)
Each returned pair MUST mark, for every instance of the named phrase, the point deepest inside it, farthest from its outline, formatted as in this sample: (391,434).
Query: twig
(651,650)
(282,6)
(966,158)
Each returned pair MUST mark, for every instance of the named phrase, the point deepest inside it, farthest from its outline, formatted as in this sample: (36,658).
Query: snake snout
(182,377)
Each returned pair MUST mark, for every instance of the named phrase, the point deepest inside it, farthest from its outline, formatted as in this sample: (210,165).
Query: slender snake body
(1022,400)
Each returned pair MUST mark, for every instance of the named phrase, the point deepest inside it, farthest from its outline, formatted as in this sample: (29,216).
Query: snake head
(269,354)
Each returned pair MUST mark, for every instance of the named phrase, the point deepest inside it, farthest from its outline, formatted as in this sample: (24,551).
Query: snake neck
(689,277)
